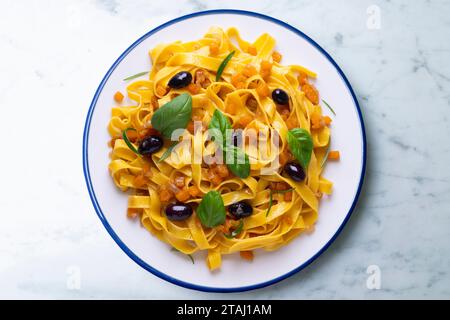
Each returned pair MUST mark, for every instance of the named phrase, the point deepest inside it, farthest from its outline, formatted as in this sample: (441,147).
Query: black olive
(280,96)
(240,209)
(295,171)
(150,144)
(178,211)
(180,80)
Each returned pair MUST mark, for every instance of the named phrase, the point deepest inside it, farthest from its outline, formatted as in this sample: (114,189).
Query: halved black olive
(280,96)
(295,171)
(240,209)
(150,144)
(180,80)
(178,211)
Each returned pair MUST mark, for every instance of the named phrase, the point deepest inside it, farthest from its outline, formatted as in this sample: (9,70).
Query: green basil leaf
(301,145)
(211,210)
(223,65)
(218,128)
(235,158)
(235,231)
(175,114)
(137,75)
(220,122)
(237,161)
(128,142)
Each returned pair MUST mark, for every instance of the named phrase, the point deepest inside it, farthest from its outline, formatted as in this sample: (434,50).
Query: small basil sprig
(236,231)
(329,107)
(190,256)
(167,153)
(325,157)
(301,145)
(211,210)
(223,65)
(235,158)
(127,141)
(272,192)
(175,114)
(137,75)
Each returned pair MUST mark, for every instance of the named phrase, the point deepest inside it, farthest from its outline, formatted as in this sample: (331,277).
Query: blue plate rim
(103,219)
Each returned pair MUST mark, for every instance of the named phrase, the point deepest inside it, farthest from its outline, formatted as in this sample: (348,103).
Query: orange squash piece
(288,196)
(183,195)
(240,85)
(139,181)
(238,78)
(193,88)
(266,65)
(132,213)
(146,170)
(276,56)
(214,48)
(118,97)
(194,191)
(222,170)
(266,69)
(249,71)
(165,195)
(311,93)
(179,181)
(245,120)
(247,255)
(327,120)
(334,155)
(190,127)
(316,120)
(231,108)
(302,78)
(263,90)
(292,123)
(284,157)
(252,50)
(282,186)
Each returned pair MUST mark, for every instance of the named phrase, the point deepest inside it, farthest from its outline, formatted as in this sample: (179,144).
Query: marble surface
(54,54)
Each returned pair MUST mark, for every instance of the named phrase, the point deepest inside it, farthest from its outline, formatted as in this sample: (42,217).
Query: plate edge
(116,238)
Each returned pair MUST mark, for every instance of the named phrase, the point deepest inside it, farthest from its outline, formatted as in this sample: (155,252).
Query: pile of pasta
(243,95)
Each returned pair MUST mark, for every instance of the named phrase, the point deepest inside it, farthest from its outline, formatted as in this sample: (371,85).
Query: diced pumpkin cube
(276,56)
(246,255)
(334,155)
(252,50)
(263,90)
(118,97)
(311,93)
(183,195)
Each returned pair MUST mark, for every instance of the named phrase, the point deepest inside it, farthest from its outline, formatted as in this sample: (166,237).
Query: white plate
(268,267)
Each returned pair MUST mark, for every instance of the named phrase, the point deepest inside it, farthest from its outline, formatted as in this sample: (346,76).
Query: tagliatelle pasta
(281,207)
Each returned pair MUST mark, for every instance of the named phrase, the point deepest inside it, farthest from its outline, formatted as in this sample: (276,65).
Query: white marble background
(53,55)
